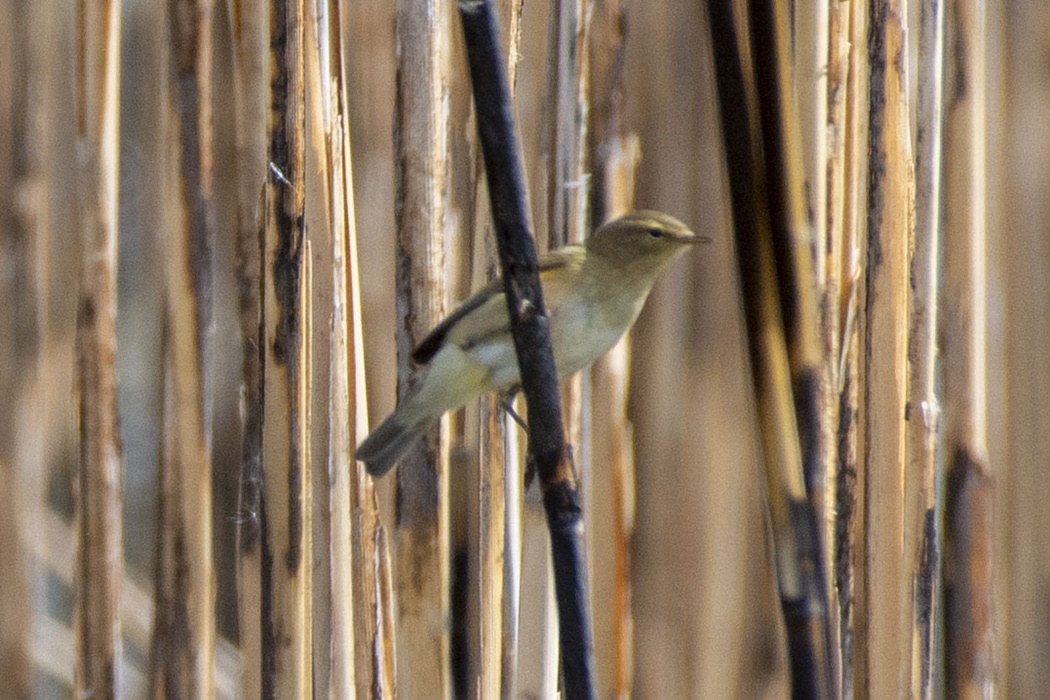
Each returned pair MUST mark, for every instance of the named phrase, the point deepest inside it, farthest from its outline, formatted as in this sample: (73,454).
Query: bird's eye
(656,233)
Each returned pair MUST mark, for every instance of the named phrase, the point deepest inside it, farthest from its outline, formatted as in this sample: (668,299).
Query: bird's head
(645,241)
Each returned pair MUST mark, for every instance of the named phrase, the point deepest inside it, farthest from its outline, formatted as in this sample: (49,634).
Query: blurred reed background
(151,180)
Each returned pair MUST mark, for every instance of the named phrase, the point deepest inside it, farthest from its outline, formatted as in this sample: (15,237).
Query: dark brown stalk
(772,257)
(793,242)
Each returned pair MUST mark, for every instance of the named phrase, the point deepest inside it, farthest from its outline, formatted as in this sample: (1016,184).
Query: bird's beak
(697,239)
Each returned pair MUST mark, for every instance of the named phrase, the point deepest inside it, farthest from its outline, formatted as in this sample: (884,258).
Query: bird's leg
(507,401)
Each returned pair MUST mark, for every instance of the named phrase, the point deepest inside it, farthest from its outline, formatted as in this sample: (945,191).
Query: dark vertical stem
(530,329)
(758,203)
(784,177)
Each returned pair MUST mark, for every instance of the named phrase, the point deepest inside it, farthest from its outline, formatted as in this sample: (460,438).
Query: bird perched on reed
(593,293)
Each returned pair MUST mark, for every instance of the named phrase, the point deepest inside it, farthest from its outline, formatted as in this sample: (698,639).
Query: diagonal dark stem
(530,329)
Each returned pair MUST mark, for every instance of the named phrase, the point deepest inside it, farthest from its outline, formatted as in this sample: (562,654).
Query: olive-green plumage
(593,294)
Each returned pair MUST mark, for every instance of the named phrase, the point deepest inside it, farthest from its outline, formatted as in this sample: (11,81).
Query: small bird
(593,293)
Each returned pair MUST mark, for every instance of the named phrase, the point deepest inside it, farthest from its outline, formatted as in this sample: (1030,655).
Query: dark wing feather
(429,346)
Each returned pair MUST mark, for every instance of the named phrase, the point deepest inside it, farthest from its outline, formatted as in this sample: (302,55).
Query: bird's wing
(485,313)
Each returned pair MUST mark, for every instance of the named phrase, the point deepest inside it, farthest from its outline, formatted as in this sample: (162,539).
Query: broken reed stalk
(970,654)
(421,152)
(183,649)
(505,175)
(285,511)
(884,601)
(830,267)
(923,478)
(767,262)
(250,32)
(372,637)
(98,481)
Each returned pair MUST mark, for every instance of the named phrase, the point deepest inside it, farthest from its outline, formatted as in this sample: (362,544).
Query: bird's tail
(382,448)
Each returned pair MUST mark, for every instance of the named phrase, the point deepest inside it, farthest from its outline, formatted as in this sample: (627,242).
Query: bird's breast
(583,331)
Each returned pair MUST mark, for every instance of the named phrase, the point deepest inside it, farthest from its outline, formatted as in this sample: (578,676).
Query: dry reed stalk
(564,153)
(613,498)
(565,145)
(25,194)
(494,654)
(504,171)
(384,653)
(773,256)
(15,606)
(183,646)
(758,277)
(886,585)
(487,659)
(307,341)
(334,638)
(565,156)
(374,646)
(794,244)
(513,449)
(810,49)
(286,346)
(250,32)
(832,313)
(922,531)
(562,197)
(537,666)
(538,652)
(373,632)
(321,377)
(970,606)
(613,154)
(98,483)
(421,136)
(846,261)
(488,563)
(1018,235)
(495,563)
